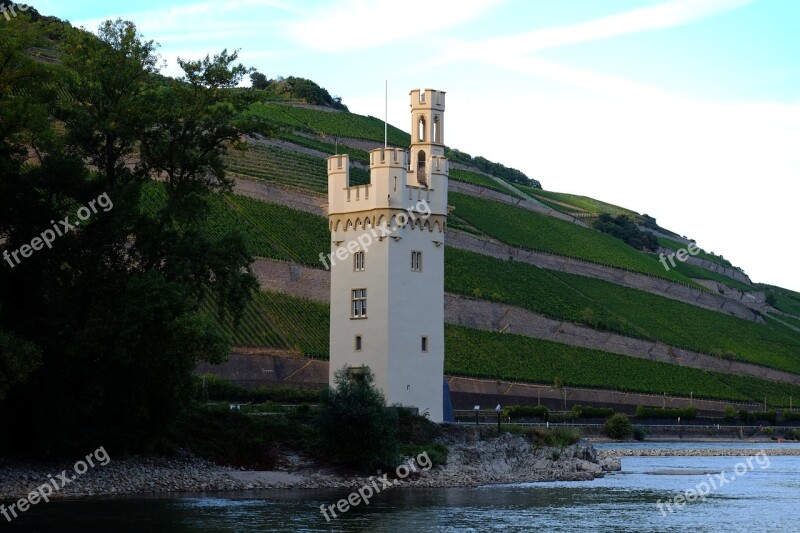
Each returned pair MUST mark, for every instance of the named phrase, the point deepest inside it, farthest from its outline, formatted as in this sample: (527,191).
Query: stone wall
(481,314)
(635,280)
(294,198)
(475,190)
(314,284)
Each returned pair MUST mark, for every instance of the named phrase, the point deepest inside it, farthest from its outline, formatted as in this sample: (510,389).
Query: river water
(762,495)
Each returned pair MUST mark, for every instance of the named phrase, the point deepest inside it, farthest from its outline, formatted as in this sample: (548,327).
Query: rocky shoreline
(507,459)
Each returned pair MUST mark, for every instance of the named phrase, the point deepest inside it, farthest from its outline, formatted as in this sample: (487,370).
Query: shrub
(209,387)
(526,411)
(437,453)
(356,428)
(729,413)
(619,427)
(639,433)
(685,413)
(751,417)
(588,411)
(790,416)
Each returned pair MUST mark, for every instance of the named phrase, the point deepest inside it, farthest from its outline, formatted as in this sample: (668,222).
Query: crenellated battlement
(427,99)
(388,157)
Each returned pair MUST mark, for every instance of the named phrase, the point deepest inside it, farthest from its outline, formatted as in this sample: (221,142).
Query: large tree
(114,306)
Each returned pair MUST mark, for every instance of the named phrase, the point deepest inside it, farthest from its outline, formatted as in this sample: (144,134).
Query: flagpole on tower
(386,115)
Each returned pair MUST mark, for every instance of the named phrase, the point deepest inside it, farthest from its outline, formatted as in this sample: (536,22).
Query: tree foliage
(113,307)
(622,227)
(356,426)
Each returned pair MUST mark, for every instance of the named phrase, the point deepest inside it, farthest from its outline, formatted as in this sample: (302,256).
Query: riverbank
(506,459)
(705,452)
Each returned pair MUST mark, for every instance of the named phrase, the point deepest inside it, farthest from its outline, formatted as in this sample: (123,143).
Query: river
(762,495)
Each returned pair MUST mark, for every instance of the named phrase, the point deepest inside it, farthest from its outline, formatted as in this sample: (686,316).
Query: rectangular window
(358,261)
(358,343)
(416,261)
(424,344)
(359,300)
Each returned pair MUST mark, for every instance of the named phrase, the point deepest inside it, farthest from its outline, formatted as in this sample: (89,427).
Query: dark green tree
(356,427)
(115,305)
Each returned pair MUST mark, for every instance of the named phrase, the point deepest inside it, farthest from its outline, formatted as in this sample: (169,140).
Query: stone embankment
(507,459)
(704,452)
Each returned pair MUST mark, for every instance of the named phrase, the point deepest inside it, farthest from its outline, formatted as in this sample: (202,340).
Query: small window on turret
(421,128)
(436,130)
(358,261)
(416,261)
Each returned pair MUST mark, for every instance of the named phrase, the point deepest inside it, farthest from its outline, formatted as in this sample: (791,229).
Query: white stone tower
(387,263)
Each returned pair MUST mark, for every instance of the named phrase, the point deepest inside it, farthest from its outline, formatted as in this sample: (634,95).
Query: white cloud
(347,25)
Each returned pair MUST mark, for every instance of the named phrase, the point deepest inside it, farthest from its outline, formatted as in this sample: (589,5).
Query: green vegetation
(519,227)
(676,245)
(625,229)
(286,168)
(495,169)
(684,413)
(278,320)
(752,417)
(324,122)
(471,352)
(619,427)
(356,427)
(322,146)
(293,88)
(210,388)
(269,230)
(588,411)
(481,180)
(115,305)
(783,299)
(526,411)
(698,272)
(603,305)
(582,203)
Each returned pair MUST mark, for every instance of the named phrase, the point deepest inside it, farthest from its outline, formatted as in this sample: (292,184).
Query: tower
(387,264)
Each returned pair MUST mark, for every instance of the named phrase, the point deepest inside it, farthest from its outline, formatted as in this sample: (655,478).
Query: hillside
(511,247)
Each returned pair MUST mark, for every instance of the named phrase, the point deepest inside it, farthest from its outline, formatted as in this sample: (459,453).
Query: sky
(687,110)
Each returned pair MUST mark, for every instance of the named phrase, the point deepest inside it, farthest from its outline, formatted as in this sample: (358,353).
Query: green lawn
(518,227)
(786,300)
(581,203)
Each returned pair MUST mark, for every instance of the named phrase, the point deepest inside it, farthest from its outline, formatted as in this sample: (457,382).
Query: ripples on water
(760,500)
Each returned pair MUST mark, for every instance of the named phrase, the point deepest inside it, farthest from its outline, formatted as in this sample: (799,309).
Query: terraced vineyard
(785,300)
(603,305)
(694,271)
(330,123)
(675,245)
(581,203)
(278,320)
(325,147)
(518,227)
(270,230)
(471,352)
(286,168)
(481,180)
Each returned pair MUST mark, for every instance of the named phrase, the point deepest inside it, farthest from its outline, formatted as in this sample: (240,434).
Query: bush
(729,413)
(790,416)
(685,413)
(639,433)
(356,428)
(751,417)
(619,427)
(587,411)
(526,411)
(437,453)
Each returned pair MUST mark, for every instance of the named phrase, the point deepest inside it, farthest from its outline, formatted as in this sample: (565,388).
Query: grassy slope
(519,227)
(675,245)
(694,271)
(628,311)
(786,300)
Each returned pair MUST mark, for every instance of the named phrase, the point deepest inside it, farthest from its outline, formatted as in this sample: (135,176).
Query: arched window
(421,129)
(421,177)
(436,131)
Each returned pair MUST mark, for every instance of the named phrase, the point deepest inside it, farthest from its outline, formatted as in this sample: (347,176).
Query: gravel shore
(507,459)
